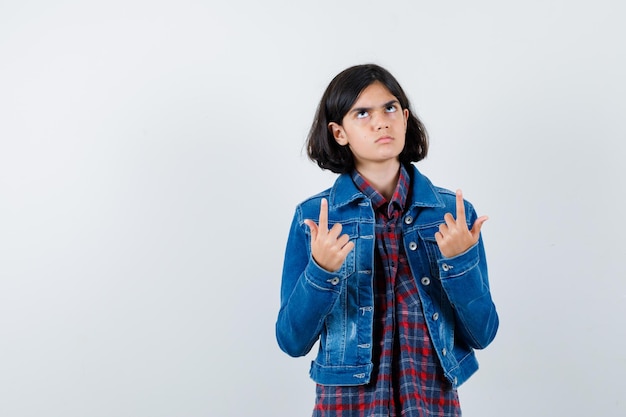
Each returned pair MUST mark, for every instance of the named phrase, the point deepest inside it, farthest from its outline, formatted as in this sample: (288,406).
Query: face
(374,128)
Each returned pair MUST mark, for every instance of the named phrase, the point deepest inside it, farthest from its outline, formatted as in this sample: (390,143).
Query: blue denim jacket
(337,307)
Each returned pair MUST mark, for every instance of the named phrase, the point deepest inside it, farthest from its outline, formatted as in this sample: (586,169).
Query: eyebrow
(362,109)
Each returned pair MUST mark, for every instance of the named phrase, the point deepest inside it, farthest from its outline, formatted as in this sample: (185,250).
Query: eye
(362,114)
(391,108)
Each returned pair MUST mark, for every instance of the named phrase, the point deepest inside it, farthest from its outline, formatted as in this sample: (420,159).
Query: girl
(377,268)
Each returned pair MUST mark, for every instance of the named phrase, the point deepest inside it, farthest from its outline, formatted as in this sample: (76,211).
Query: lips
(384,139)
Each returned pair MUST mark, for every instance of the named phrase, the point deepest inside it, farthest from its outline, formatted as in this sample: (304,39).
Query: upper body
(336,307)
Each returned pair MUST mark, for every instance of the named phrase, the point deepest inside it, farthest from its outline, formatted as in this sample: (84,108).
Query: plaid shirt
(407,380)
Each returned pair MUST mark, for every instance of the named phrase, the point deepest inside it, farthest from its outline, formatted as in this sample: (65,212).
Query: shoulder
(448,197)
(438,200)
(309,208)
(428,194)
(315,199)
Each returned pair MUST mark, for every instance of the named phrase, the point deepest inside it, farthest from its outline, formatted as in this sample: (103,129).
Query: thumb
(478,224)
(312,227)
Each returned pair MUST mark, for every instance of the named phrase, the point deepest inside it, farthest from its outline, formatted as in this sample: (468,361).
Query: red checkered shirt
(407,379)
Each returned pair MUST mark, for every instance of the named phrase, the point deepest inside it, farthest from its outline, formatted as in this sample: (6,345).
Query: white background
(151,156)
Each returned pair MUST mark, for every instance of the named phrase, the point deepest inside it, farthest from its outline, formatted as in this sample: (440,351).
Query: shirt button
(408,219)
(412,245)
(436,316)
(444,352)
(425,281)
(445,267)
(334,281)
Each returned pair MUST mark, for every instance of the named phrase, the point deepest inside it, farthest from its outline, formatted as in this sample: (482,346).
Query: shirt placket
(388,247)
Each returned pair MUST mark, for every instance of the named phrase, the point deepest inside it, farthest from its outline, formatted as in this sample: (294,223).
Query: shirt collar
(399,197)
(345,191)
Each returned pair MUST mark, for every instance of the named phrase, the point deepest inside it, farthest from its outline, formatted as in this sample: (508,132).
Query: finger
(312,227)
(345,250)
(335,231)
(460,206)
(439,238)
(478,224)
(449,220)
(343,240)
(323,221)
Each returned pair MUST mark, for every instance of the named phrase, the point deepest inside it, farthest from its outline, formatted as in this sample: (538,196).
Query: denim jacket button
(408,219)
(334,281)
(444,351)
(445,267)
(425,281)
(436,316)
(412,245)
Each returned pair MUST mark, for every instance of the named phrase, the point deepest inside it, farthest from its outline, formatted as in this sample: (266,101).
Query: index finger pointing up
(460,207)
(323,220)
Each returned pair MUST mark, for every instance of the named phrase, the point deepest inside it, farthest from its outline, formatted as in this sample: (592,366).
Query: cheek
(402,125)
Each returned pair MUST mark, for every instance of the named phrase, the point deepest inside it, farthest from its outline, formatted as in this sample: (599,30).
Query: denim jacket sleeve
(308,294)
(464,279)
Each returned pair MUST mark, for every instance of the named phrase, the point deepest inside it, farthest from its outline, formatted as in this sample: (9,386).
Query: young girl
(377,268)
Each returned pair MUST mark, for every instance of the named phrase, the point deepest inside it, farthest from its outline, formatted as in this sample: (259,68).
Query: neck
(383,178)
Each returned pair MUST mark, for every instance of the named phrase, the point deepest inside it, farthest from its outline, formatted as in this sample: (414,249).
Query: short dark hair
(339,97)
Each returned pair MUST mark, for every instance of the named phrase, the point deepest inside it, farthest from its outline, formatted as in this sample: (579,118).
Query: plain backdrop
(151,157)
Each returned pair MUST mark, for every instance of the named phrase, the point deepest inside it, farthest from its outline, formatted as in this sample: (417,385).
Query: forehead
(375,94)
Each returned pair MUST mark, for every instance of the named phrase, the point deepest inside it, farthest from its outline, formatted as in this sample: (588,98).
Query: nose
(380,121)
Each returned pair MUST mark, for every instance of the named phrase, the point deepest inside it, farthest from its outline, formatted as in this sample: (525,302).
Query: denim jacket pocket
(427,235)
(441,307)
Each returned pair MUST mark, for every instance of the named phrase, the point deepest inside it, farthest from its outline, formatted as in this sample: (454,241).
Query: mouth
(384,139)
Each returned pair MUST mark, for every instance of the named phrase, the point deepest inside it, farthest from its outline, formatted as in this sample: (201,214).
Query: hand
(328,247)
(454,237)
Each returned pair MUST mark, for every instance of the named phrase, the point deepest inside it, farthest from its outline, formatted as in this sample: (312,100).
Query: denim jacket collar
(344,191)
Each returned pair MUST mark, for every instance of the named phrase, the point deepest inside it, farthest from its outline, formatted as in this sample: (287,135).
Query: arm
(463,272)
(308,290)
(465,281)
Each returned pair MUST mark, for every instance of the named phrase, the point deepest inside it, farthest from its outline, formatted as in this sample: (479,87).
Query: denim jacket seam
(462,266)
(320,282)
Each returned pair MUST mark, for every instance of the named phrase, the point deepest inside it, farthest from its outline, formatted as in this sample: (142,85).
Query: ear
(338,133)
(406,116)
